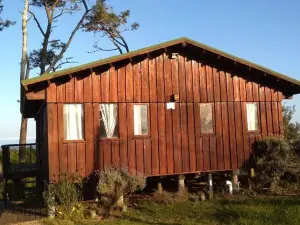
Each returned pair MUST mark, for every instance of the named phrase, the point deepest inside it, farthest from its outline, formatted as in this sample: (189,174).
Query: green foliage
(233,211)
(291,129)
(271,158)
(4,23)
(115,182)
(65,195)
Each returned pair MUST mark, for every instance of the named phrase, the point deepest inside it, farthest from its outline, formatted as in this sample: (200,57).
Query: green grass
(259,211)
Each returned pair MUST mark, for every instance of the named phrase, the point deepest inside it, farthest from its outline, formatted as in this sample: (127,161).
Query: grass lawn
(261,210)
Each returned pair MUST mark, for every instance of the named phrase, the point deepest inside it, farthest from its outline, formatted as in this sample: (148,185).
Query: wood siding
(175,144)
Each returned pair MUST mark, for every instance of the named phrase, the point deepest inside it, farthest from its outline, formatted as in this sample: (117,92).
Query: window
(140,113)
(109,121)
(252,121)
(73,122)
(206,117)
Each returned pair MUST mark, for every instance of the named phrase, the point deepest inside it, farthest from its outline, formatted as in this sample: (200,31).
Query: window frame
(118,116)
(213,133)
(83,123)
(257,116)
(148,122)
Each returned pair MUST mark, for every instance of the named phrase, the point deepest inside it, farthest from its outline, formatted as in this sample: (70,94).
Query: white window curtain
(252,121)
(109,118)
(73,121)
(140,119)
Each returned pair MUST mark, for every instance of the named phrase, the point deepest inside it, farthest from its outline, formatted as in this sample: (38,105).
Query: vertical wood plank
(189,80)
(225,135)
(129,83)
(122,84)
(96,87)
(275,118)
(223,85)
(262,96)
(70,93)
(203,85)
(249,91)
(210,84)
(191,135)
(236,88)
(145,80)
(52,124)
(89,138)
(154,136)
(131,143)
(184,137)
(167,77)
(107,152)
(213,153)
(182,79)
(196,81)
(232,124)
(269,118)
(268,94)
(175,76)
(88,89)
(139,149)
(80,158)
(98,161)
(206,153)
(219,134)
(51,93)
(152,80)
(280,118)
(169,141)
(63,154)
(229,84)
(160,79)
(162,138)
(239,134)
(243,89)
(104,86)
(61,92)
(78,89)
(274,95)
(263,119)
(245,131)
(72,160)
(113,84)
(115,153)
(123,135)
(177,139)
(255,88)
(147,156)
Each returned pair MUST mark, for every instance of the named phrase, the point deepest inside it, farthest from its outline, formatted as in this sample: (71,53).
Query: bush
(115,182)
(271,158)
(65,196)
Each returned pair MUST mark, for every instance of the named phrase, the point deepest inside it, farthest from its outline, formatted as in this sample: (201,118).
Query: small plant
(65,196)
(116,183)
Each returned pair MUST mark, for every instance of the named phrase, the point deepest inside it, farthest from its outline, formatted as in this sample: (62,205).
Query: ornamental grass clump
(63,198)
(114,185)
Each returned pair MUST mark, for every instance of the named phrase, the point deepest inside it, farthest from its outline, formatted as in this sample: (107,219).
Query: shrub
(65,196)
(115,182)
(271,158)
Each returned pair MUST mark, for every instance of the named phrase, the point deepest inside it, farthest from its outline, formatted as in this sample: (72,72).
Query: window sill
(74,141)
(253,132)
(141,137)
(208,135)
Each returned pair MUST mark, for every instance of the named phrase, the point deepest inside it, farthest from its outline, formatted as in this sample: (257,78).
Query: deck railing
(12,163)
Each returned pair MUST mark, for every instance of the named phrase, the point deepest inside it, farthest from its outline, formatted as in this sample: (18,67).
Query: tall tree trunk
(23,75)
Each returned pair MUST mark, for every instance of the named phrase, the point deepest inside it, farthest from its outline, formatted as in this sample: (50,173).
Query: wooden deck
(17,213)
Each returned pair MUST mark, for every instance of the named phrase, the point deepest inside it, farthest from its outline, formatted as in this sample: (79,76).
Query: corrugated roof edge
(67,71)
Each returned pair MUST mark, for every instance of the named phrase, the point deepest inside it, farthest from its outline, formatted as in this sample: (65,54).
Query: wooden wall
(176,144)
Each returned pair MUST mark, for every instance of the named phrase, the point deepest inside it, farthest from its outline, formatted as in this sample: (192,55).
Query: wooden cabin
(179,107)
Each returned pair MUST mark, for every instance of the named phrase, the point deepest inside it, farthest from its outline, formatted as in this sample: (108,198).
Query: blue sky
(265,32)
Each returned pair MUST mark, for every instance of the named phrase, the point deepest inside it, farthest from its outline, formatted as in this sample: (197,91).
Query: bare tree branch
(37,23)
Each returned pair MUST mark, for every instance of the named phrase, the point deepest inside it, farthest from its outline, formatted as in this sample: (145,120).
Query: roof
(65,72)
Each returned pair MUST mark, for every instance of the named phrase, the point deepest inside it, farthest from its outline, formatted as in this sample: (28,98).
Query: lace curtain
(252,121)
(73,121)
(109,119)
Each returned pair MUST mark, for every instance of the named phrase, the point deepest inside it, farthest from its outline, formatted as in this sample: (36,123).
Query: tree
(4,23)
(291,129)
(99,18)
